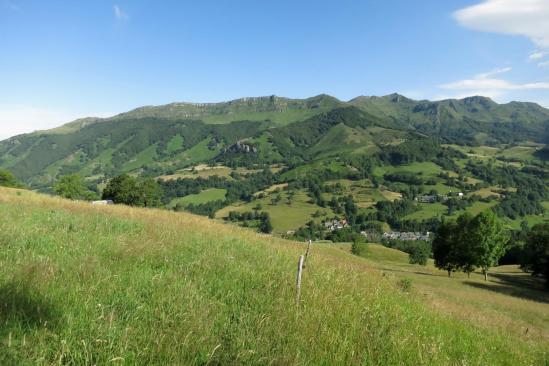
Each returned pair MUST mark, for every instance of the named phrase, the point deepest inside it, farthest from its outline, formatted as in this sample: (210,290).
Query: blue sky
(60,60)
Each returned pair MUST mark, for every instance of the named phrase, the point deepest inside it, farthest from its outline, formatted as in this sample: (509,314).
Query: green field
(322,165)
(82,284)
(284,216)
(267,152)
(145,157)
(428,210)
(363,192)
(425,169)
(523,153)
(208,195)
(199,152)
(278,118)
(342,139)
(477,208)
(511,301)
(440,188)
(174,144)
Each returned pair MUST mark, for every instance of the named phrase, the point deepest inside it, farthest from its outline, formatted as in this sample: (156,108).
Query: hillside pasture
(284,216)
(82,284)
(144,158)
(511,301)
(424,169)
(362,191)
(207,195)
(428,211)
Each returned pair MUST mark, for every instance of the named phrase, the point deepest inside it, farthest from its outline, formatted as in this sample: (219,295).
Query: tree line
(469,243)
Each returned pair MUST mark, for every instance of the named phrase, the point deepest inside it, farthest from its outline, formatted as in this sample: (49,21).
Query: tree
(444,251)
(469,243)
(419,254)
(128,190)
(290,196)
(8,180)
(536,252)
(265,226)
(465,254)
(488,240)
(359,246)
(73,187)
(122,189)
(150,193)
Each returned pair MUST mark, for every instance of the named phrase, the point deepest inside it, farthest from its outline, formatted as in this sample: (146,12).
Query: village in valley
(338,224)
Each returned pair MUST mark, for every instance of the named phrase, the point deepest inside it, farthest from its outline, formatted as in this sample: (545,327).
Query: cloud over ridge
(529,18)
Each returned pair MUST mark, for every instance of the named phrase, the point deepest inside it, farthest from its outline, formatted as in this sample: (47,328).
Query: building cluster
(241,147)
(335,224)
(406,235)
(428,198)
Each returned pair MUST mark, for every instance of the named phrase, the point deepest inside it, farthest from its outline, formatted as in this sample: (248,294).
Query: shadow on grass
(525,287)
(412,272)
(21,306)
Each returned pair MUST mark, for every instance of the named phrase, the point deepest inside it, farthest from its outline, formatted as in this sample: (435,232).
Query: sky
(62,60)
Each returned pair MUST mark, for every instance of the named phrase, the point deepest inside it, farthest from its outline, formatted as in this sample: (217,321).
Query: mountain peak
(397,98)
(478,99)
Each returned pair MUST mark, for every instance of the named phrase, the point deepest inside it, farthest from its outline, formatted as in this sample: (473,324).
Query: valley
(369,182)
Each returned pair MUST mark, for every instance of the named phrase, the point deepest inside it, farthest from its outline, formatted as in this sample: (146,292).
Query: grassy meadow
(511,301)
(207,195)
(284,216)
(82,284)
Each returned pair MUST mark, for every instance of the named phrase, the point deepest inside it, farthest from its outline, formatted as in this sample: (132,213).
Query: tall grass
(114,285)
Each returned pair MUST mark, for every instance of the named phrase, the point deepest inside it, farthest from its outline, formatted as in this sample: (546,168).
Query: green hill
(465,119)
(391,146)
(279,126)
(82,284)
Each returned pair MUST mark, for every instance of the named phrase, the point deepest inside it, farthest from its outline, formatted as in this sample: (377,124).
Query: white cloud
(119,13)
(527,18)
(537,55)
(494,72)
(544,64)
(488,82)
(18,119)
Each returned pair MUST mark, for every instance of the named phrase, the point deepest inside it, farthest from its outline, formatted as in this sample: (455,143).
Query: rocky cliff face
(242,147)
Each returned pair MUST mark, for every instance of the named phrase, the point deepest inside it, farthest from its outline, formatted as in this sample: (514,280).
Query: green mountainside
(372,160)
(280,128)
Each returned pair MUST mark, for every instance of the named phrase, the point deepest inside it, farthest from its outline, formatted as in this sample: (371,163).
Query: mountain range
(162,139)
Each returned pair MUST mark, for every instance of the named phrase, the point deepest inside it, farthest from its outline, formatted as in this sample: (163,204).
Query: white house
(103,202)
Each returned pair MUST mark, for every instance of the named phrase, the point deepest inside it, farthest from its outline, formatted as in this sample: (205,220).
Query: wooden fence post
(307,253)
(298,280)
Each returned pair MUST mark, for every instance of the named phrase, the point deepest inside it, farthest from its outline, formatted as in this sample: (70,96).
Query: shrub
(8,180)
(536,258)
(73,187)
(128,190)
(405,284)
(359,247)
(419,254)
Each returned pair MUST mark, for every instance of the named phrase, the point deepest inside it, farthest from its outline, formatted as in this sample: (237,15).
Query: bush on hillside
(536,250)
(73,187)
(7,179)
(419,254)
(130,191)
(359,247)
